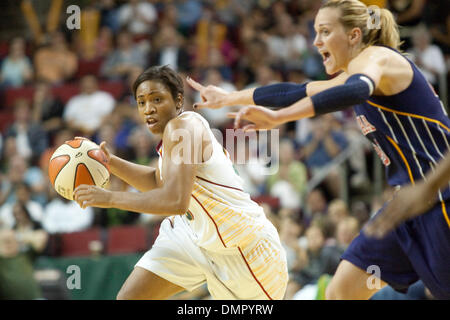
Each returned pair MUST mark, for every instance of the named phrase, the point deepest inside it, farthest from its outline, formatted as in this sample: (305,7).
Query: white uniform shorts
(231,275)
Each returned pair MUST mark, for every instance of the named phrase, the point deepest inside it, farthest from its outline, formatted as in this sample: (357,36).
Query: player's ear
(355,35)
(179,103)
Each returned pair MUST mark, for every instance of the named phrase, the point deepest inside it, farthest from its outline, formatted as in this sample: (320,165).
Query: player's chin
(330,70)
(154,128)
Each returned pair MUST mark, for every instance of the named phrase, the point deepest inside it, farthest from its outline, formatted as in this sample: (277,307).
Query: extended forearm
(156,201)
(299,110)
(243,97)
(143,178)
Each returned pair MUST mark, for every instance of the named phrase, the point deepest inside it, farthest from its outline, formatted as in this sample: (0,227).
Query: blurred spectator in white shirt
(63,216)
(137,16)
(428,57)
(16,67)
(86,111)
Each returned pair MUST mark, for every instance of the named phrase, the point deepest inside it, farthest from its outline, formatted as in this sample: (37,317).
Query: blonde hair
(378,29)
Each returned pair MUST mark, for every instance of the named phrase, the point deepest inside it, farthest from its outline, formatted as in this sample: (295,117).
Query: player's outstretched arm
(410,201)
(364,75)
(277,95)
(172,196)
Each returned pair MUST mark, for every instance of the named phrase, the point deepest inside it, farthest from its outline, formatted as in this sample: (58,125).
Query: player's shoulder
(184,125)
(373,55)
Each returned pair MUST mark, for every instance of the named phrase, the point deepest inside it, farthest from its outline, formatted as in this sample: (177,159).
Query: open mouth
(151,121)
(325,56)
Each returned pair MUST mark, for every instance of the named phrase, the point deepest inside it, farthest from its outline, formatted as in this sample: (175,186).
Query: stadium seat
(127,239)
(77,243)
(86,67)
(12,94)
(6,119)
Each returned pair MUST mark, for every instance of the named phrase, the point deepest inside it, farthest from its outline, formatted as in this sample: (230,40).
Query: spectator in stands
(85,112)
(19,192)
(47,109)
(290,232)
(286,45)
(347,229)
(316,204)
(321,259)
(55,63)
(143,146)
(138,17)
(188,14)
(31,140)
(29,232)
(62,215)
(16,270)
(337,211)
(361,212)
(109,15)
(322,145)
(289,182)
(16,67)
(427,56)
(169,50)
(124,59)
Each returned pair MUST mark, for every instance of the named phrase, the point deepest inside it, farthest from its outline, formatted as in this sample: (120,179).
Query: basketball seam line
(61,167)
(96,159)
(76,169)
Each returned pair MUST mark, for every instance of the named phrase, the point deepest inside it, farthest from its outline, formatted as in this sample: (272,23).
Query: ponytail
(387,33)
(378,26)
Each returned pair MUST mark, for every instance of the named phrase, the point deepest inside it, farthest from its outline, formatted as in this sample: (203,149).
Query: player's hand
(261,118)
(213,97)
(105,150)
(408,202)
(92,196)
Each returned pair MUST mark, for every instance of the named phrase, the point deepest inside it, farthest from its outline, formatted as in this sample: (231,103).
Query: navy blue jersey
(410,130)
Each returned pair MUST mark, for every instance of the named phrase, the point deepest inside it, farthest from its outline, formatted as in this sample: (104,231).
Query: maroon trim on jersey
(253,275)
(158,148)
(218,184)
(217,229)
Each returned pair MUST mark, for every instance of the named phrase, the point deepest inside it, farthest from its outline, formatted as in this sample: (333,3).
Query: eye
(157,99)
(325,32)
(141,103)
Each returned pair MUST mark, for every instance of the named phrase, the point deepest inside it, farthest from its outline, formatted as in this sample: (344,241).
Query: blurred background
(66,71)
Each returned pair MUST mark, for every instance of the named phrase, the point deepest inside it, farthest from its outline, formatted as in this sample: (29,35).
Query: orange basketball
(78,161)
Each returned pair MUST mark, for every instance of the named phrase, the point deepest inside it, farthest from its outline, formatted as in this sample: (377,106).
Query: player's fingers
(249,128)
(232,115)
(239,117)
(104,149)
(203,105)
(194,84)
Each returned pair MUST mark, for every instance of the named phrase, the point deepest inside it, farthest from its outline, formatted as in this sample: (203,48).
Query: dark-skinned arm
(179,167)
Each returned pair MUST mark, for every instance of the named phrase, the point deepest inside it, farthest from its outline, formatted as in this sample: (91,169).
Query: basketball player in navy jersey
(398,111)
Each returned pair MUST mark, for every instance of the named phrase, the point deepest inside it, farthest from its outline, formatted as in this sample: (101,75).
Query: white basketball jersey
(221,215)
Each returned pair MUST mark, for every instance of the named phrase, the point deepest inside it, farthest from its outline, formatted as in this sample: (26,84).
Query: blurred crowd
(57,83)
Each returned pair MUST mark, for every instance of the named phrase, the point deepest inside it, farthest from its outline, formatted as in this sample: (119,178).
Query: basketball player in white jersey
(215,234)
